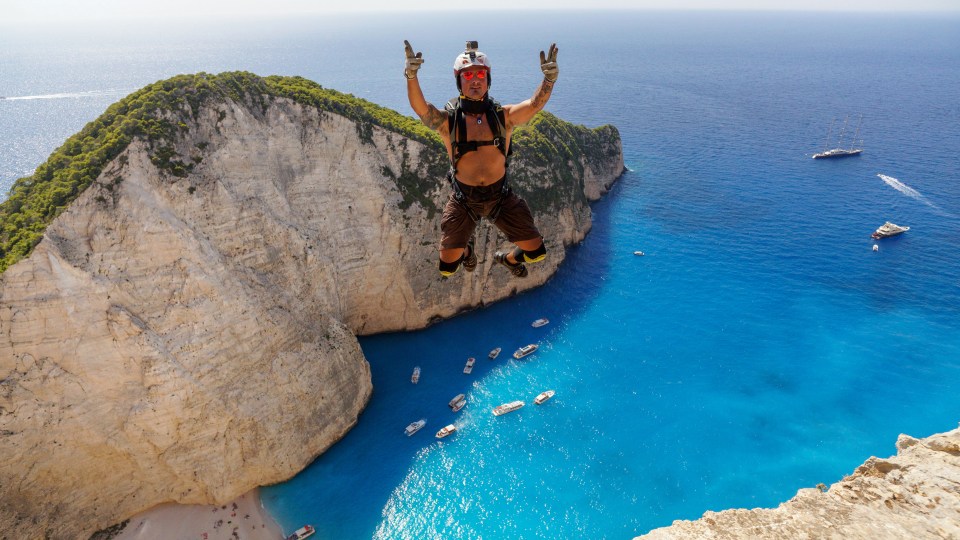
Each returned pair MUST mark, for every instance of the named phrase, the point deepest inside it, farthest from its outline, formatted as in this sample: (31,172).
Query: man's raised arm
(429,115)
(524,111)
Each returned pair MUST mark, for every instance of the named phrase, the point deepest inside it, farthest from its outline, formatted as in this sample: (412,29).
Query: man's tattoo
(543,94)
(433,118)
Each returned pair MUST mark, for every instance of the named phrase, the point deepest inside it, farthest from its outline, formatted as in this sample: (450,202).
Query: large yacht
(839,150)
(507,407)
(889,229)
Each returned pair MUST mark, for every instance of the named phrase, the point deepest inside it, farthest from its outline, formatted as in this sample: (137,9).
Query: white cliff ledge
(915,494)
(185,329)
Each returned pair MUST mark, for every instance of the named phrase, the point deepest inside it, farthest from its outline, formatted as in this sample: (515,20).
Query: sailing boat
(839,150)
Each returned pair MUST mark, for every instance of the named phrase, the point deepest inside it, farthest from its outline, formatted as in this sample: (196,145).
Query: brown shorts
(514,220)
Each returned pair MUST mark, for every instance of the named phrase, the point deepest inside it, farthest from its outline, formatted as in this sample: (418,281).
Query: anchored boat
(839,150)
(525,350)
(543,396)
(415,426)
(507,407)
(888,229)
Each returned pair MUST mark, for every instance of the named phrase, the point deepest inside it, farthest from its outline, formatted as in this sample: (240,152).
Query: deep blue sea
(759,347)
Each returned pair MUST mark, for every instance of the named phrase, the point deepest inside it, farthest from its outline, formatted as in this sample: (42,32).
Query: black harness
(457,124)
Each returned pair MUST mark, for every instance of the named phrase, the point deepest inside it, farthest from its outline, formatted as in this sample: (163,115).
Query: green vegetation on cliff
(155,114)
(551,156)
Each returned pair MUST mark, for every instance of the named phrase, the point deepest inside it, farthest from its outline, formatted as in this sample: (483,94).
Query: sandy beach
(242,519)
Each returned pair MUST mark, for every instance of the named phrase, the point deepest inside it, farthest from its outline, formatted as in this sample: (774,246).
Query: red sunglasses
(468,75)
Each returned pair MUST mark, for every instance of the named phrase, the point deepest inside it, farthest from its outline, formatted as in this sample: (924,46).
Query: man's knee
(448,269)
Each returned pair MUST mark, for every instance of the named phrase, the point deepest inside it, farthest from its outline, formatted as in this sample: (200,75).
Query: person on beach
(476,131)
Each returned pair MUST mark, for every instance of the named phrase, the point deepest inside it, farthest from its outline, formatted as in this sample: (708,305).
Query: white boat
(446,430)
(543,396)
(468,368)
(415,378)
(876,247)
(839,150)
(302,532)
(507,407)
(888,229)
(525,350)
(539,322)
(638,253)
(415,426)
(494,353)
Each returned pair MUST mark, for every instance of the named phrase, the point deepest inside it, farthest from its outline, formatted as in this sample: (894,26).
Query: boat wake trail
(67,95)
(912,193)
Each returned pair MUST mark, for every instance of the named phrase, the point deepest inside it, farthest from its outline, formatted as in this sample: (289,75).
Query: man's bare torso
(487,164)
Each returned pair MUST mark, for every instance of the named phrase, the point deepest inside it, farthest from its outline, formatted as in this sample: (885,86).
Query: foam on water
(912,193)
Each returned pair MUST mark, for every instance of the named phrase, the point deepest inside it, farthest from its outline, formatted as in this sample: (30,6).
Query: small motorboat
(415,426)
(507,407)
(302,532)
(446,430)
(415,378)
(888,229)
(468,368)
(494,353)
(639,253)
(543,396)
(458,405)
(539,322)
(525,350)
(876,247)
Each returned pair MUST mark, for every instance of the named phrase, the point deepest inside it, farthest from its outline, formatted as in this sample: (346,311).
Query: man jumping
(476,131)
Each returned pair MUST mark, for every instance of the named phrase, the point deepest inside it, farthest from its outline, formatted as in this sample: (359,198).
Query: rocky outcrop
(185,333)
(915,494)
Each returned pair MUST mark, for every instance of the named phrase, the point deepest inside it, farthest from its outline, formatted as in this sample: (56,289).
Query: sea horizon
(759,346)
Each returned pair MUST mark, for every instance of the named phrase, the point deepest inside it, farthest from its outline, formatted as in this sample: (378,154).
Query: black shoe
(470,261)
(517,269)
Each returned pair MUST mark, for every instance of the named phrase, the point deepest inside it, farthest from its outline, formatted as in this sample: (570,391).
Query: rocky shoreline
(914,494)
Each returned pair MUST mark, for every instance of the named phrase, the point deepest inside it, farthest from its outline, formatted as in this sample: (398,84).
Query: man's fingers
(420,56)
(543,59)
(553,52)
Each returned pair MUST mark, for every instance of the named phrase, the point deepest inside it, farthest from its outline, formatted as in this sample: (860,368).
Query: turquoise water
(759,347)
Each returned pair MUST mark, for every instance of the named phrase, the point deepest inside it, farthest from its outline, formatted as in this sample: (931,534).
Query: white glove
(413,61)
(548,63)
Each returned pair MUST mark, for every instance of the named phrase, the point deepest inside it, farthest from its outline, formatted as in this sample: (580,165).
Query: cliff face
(915,494)
(187,337)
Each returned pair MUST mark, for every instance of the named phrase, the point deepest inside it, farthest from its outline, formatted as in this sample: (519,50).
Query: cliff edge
(915,494)
(184,280)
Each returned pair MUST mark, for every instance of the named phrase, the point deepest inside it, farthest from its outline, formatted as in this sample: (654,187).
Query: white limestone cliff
(915,494)
(186,339)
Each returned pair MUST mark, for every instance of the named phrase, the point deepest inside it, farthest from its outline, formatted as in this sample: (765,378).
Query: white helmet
(468,58)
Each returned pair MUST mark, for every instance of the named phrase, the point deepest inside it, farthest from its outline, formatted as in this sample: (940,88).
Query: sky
(38,11)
